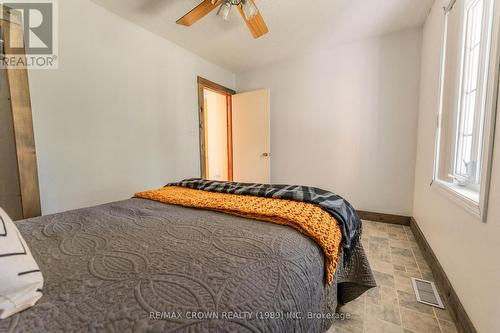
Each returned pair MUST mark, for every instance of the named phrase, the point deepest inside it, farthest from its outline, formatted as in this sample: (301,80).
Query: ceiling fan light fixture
(249,9)
(246,8)
(224,10)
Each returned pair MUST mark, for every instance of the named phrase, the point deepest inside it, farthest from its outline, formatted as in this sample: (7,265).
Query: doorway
(216,145)
(234,133)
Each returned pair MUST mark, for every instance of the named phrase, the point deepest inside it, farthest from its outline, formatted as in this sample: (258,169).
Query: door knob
(266,155)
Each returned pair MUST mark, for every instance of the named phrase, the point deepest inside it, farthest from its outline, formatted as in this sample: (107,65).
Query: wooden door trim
(20,100)
(215,86)
(209,85)
(229,117)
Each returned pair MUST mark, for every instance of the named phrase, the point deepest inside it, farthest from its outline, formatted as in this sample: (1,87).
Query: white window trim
(450,190)
(460,196)
(484,54)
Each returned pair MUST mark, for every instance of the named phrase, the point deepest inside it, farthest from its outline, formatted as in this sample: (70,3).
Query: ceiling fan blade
(198,12)
(257,26)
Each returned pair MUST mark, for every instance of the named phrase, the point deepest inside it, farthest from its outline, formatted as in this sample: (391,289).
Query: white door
(251,142)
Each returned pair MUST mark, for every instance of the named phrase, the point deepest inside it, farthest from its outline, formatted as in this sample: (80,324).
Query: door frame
(209,85)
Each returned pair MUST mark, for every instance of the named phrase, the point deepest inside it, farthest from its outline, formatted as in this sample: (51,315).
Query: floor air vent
(427,293)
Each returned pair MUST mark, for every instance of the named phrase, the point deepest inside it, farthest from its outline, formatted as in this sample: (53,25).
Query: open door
(251,137)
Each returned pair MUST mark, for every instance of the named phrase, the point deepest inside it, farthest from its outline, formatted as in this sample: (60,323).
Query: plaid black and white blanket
(335,205)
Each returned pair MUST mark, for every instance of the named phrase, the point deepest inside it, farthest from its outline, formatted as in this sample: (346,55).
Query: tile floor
(394,257)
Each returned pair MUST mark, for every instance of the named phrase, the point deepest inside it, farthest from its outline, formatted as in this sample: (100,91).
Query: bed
(145,266)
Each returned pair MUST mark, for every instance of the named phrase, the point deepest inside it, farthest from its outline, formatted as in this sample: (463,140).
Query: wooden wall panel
(10,193)
(23,127)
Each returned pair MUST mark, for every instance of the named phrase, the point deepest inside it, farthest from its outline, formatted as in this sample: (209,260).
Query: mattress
(143,266)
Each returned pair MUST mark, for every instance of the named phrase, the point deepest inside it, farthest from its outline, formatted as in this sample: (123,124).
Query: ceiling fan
(247,8)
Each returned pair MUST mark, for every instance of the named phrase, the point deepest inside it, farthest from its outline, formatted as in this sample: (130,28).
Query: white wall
(119,115)
(345,120)
(468,250)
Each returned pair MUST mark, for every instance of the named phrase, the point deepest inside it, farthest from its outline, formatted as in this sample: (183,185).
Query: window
(468,94)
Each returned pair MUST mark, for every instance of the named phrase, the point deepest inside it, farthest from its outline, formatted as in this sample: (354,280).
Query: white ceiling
(296,26)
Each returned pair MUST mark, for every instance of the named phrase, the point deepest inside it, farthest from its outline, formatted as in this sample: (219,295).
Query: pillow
(21,281)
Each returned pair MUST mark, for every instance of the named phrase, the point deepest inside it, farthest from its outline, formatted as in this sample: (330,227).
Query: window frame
(472,181)
(476,205)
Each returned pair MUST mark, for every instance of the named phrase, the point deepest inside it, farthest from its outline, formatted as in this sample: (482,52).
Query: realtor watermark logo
(29,34)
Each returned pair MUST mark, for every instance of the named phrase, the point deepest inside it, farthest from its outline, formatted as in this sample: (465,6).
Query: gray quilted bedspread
(143,266)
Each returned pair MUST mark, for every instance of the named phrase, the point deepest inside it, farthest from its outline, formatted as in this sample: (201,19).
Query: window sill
(464,197)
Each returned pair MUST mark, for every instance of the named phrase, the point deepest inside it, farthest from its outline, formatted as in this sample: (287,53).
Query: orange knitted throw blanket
(307,218)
